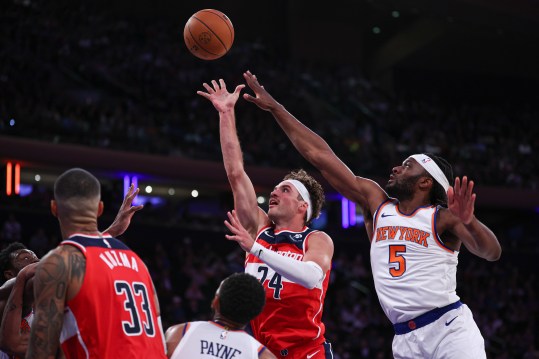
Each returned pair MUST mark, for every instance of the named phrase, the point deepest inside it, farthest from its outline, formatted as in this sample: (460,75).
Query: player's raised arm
(125,213)
(244,194)
(316,150)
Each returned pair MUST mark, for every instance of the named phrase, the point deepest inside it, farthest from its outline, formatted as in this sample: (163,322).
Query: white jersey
(413,271)
(212,340)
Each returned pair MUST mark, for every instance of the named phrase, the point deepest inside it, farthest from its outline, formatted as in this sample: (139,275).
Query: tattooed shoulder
(77,264)
(63,266)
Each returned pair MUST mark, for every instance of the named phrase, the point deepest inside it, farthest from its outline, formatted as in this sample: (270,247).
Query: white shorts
(454,335)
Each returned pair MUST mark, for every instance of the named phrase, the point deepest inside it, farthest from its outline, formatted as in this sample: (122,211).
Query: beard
(402,189)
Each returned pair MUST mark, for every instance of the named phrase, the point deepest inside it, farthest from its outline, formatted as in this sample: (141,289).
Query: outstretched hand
(125,213)
(239,233)
(262,98)
(461,199)
(219,96)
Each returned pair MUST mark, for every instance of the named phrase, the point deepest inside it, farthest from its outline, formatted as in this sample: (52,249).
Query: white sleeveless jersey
(413,271)
(211,340)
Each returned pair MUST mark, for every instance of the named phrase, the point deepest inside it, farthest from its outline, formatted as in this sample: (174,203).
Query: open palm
(461,199)
(219,96)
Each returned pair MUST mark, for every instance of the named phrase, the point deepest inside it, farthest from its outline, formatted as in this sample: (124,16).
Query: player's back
(114,313)
(212,340)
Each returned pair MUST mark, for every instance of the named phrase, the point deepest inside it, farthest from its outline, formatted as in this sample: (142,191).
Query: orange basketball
(208,34)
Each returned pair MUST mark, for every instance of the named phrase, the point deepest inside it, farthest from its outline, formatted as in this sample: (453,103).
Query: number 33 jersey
(114,313)
(292,315)
(413,270)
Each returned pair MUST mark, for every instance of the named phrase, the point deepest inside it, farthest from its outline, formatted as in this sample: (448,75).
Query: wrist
(470,222)
(227,111)
(257,249)
(275,107)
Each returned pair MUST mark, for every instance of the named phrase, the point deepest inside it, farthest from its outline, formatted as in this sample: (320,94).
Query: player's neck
(69,227)
(227,323)
(410,205)
(295,224)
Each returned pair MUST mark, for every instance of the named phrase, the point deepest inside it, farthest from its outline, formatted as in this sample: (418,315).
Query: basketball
(208,34)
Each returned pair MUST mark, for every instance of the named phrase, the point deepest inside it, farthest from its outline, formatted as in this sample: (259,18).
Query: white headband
(432,168)
(304,194)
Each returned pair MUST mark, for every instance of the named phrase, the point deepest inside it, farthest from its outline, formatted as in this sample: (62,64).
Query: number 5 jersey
(292,315)
(414,272)
(114,313)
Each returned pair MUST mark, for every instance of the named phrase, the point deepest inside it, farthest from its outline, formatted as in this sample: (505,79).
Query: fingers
(251,79)
(472,201)
(132,192)
(212,89)
(463,188)
(232,217)
(456,186)
(134,209)
(204,94)
(470,186)
(208,87)
(248,97)
(238,89)
(233,223)
(450,195)
(230,226)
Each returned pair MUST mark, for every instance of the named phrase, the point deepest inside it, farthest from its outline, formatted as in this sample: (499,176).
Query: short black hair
(5,257)
(76,182)
(438,195)
(241,297)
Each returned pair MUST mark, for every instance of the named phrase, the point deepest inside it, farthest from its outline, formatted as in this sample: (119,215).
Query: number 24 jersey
(292,315)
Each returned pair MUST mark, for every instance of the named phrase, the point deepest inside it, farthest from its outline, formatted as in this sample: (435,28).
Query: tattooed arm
(58,278)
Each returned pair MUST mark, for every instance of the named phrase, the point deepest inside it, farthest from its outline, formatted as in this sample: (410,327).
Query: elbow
(235,175)
(495,255)
(316,156)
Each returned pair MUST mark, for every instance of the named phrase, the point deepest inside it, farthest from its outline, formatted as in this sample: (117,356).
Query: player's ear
(304,205)
(54,208)
(425,182)
(100,208)
(215,305)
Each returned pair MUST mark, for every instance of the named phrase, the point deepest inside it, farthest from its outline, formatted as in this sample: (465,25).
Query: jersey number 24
(274,283)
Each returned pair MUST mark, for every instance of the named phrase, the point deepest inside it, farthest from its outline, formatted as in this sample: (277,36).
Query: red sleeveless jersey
(114,314)
(292,317)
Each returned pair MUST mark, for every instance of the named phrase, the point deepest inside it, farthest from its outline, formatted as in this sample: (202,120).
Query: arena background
(110,87)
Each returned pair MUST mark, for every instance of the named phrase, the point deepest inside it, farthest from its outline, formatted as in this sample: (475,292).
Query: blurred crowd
(77,74)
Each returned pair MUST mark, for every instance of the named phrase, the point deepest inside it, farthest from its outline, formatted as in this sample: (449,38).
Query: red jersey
(114,314)
(292,317)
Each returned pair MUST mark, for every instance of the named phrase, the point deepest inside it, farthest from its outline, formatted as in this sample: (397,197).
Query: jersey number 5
(397,259)
(137,322)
